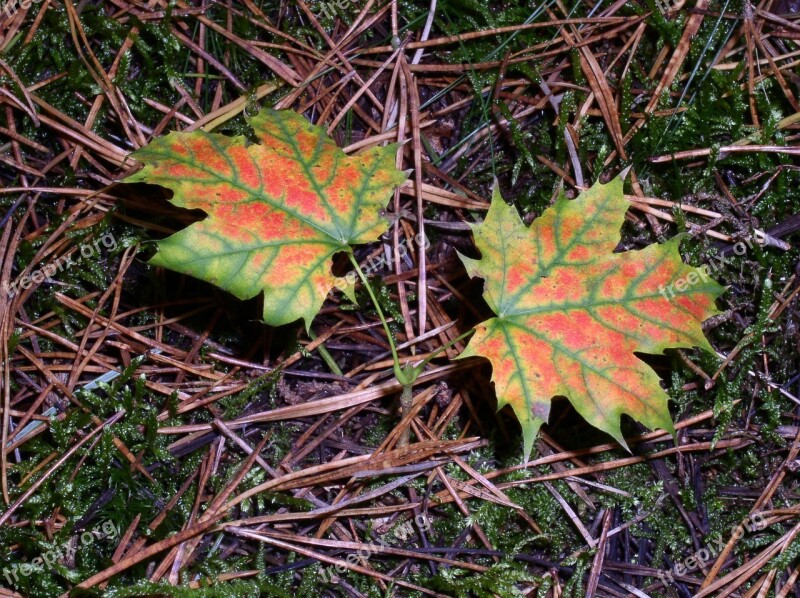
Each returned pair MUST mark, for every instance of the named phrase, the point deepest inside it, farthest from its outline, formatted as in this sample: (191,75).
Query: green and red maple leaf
(278,210)
(571,313)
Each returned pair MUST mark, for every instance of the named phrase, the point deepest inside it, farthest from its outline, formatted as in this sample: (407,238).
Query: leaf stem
(398,371)
(406,400)
(418,368)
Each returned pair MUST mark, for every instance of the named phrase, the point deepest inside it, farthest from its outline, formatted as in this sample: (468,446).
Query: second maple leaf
(571,313)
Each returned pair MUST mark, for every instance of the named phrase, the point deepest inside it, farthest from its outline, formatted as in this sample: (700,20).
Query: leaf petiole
(416,370)
(399,371)
(407,375)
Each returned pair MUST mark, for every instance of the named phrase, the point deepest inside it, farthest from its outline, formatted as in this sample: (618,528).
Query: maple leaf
(571,313)
(277,210)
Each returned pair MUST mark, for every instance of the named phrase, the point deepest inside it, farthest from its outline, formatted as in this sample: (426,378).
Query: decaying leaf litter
(534,96)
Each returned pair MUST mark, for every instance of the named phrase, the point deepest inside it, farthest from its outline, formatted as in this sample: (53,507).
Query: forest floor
(140,406)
